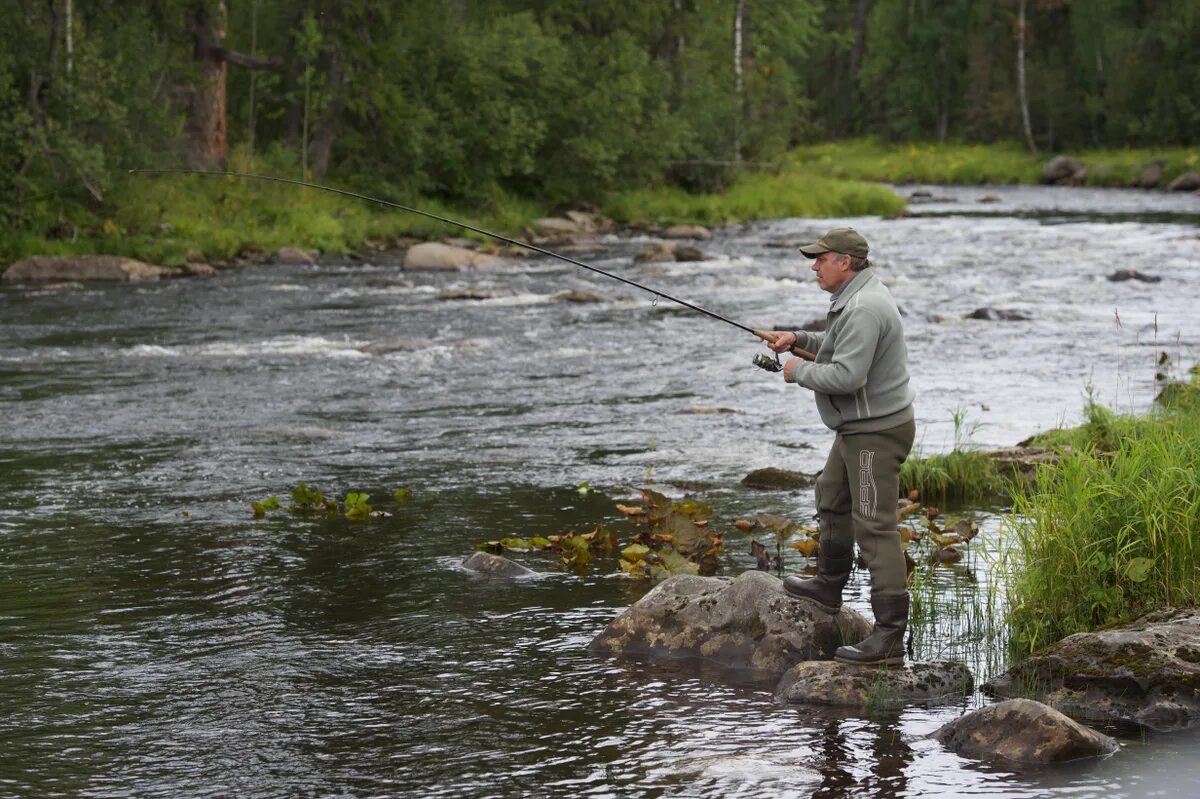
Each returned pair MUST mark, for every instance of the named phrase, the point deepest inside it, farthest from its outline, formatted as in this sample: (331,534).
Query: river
(158,640)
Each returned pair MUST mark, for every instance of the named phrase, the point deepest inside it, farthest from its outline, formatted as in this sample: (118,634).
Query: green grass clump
(957,163)
(871,159)
(1112,530)
(1123,167)
(756,196)
(957,478)
(961,476)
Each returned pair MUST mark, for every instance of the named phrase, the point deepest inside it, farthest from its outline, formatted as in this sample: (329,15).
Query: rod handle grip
(797,351)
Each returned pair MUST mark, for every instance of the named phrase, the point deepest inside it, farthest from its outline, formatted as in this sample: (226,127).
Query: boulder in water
(435,256)
(81,268)
(747,623)
(998,315)
(687,232)
(1064,170)
(770,477)
(1023,732)
(1121,275)
(498,565)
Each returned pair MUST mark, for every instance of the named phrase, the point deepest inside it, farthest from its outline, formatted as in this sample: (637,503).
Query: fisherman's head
(839,254)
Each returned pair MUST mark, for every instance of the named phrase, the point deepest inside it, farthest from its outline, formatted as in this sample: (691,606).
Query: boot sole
(886,663)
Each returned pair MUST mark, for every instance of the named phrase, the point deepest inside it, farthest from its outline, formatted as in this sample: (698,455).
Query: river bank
(171,220)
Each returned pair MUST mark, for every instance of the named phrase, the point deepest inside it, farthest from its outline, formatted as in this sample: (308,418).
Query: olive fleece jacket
(860,377)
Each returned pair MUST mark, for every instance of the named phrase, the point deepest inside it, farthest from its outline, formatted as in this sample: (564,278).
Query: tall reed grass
(1113,529)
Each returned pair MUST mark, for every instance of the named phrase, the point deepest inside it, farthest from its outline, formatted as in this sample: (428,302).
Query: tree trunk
(737,78)
(326,132)
(856,61)
(208,141)
(1021,93)
(207,131)
(860,37)
(39,84)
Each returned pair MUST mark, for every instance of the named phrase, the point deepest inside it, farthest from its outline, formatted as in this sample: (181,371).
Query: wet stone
(747,623)
(1146,672)
(998,315)
(498,565)
(771,477)
(1023,732)
(844,684)
(1121,275)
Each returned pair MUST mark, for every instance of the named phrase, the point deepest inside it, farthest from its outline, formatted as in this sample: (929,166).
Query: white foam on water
(283,345)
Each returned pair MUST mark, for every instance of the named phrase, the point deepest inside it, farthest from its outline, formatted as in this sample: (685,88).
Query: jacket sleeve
(847,372)
(809,340)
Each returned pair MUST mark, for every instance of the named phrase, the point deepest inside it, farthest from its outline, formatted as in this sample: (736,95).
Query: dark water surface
(156,640)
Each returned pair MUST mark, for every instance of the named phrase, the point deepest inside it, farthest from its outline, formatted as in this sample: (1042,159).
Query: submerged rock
(1024,732)
(467,294)
(1147,672)
(82,268)
(771,477)
(998,315)
(667,251)
(744,623)
(825,682)
(498,565)
(659,252)
(690,254)
(1122,275)
(576,295)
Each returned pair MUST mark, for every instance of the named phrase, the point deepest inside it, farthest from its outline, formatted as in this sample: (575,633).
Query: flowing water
(156,640)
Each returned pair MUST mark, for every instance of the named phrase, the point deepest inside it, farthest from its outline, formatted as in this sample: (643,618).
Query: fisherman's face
(833,269)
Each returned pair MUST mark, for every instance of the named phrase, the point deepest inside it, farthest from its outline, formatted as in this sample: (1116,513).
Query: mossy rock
(773,478)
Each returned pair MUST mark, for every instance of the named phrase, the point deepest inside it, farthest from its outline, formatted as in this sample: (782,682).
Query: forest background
(492,105)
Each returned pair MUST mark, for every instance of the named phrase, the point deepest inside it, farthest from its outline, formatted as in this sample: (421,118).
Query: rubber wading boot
(885,645)
(833,570)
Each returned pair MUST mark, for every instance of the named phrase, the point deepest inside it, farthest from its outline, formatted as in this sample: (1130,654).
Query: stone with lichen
(746,623)
(1023,732)
(1147,672)
(852,685)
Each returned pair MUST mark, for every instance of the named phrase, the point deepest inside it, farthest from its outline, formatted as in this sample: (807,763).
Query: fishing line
(515,242)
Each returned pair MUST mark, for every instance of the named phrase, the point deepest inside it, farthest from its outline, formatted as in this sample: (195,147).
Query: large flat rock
(825,682)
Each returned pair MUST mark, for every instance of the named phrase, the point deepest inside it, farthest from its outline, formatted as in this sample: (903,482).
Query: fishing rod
(760,360)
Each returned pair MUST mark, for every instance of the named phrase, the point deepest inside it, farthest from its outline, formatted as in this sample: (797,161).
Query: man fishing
(860,381)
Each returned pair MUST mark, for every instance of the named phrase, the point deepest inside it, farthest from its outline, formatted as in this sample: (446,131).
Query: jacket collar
(850,288)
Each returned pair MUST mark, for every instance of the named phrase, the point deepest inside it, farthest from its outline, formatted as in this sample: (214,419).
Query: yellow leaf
(805,546)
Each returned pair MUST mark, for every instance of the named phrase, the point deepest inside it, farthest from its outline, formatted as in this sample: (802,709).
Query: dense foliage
(473,100)
(1112,530)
